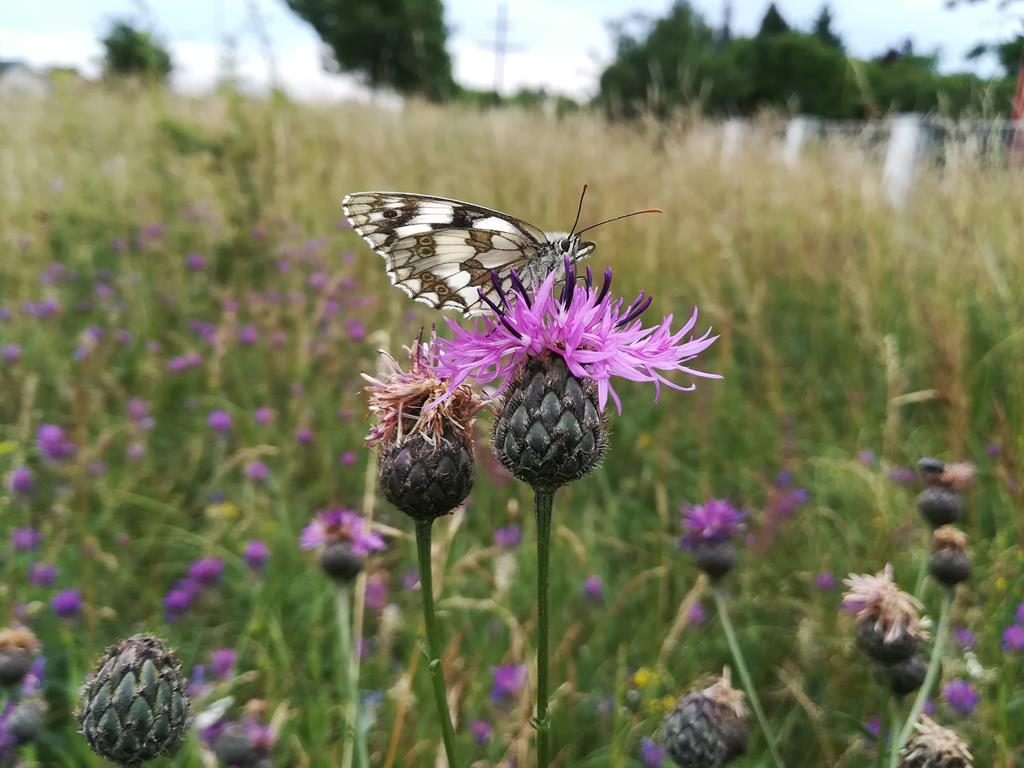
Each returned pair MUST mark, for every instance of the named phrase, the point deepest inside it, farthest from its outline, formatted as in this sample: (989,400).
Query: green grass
(845,326)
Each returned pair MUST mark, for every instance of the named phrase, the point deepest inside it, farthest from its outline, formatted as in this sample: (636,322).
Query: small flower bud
(135,705)
(26,720)
(940,505)
(931,470)
(949,563)
(340,562)
(906,676)
(707,729)
(18,647)
(715,558)
(427,479)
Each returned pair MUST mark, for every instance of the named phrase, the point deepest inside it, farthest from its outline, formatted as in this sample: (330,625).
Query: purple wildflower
(53,444)
(410,580)
(376,592)
(598,337)
(11,353)
(136,451)
(902,475)
(508,537)
(993,449)
(264,415)
(960,697)
(356,330)
(964,638)
(67,604)
(1013,639)
(593,588)
(196,262)
(341,524)
(256,471)
(42,574)
(697,614)
(248,335)
(139,412)
(825,581)
(714,521)
(222,663)
(482,731)
(219,422)
(184,362)
(256,554)
(177,603)
(651,755)
(206,571)
(1020,613)
(20,481)
(867,458)
(25,539)
(347,458)
(873,726)
(509,680)
(123,336)
(304,435)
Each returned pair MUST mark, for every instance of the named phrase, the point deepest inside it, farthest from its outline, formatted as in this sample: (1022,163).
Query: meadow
(180,294)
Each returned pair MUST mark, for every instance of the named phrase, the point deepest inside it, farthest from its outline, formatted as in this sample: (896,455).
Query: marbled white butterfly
(443,252)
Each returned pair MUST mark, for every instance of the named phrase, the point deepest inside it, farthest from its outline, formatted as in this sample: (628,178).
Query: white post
(796,135)
(733,133)
(901,158)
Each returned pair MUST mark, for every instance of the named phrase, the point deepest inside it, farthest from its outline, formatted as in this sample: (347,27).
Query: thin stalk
(543,501)
(748,684)
(354,744)
(895,729)
(423,529)
(941,633)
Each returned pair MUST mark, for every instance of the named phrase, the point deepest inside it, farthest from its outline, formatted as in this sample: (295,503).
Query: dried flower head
(598,336)
(397,399)
(935,747)
(948,537)
(888,627)
(957,476)
(949,563)
(19,639)
(18,647)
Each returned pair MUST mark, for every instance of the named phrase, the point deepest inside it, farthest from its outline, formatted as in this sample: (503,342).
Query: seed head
(18,647)
(935,747)
(707,729)
(888,628)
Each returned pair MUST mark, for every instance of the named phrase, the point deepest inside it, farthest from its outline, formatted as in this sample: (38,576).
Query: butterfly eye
(565,246)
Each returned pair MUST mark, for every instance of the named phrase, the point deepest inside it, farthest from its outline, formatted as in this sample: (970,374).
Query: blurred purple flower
(256,554)
(482,731)
(67,604)
(1013,639)
(960,697)
(206,571)
(508,537)
(341,524)
(347,458)
(42,574)
(715,520)
(304,435)
(902,475)
(593,588)
(256,471)
(53,444)
(1020,613)
(697,614)
(139,413)
(651,755)
(825,581)
(410,580)
(21,481)
(219,422)
(508,683)
(177,603)
(11,353)
(264,415)
(964,638)
(873,726)
(222,663)
(993,449)
(136,451)
(195,262)
(867,458)
(184,362)
(355,329)
(248,335)
(25,539)
(376,592)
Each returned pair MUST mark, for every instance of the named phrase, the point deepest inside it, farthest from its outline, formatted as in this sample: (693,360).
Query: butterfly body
(448,254)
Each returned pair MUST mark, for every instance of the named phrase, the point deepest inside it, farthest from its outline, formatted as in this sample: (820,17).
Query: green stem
(543,501)
(748,684)
(355,742)
(423,528)
(895,730)
(934,664)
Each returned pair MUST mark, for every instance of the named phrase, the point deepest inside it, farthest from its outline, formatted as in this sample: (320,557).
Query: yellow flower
(224,510)
(1001,583)
(645,677)
(7,446)
(644,440)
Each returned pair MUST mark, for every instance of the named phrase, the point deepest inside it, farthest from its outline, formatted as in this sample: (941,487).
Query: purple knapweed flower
(873,726)
(341,524)
(651,755)
(593,588)
(256,554)
(965,638)
(67,604)
(139,413)
(25,539)
(825,581)
(715,520)
(347,458)
(256,471)
(960,697)
(356,330)
(206,571)
(53,444)
(1013,639)
(184,362)
(697,614)
(304,435)
(598,337)
(222,663)
(42,574)
(264,415)
(508,537)
(410,580)
(482,731)
(195,262)
(177,603)
(376,592)
(219,422)
(508,682)
(867,458)
(21,481)
(11,353)
(248,335)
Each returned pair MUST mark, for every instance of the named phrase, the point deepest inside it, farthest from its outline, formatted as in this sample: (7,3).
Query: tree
(130,51)
(772,23)
(823,28)
(399,44)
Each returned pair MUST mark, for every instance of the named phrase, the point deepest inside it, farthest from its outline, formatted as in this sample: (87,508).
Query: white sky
(559,44)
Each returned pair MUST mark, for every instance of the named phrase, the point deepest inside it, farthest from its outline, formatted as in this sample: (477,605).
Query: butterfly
(455,255)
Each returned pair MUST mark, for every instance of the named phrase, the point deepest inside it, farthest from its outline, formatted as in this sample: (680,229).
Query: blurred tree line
(681,60)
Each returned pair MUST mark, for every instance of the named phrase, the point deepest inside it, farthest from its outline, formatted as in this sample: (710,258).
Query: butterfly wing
(441,252)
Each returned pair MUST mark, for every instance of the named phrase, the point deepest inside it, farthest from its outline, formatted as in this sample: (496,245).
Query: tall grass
(845,327)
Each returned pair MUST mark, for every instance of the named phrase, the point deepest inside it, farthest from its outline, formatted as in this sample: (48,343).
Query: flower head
(482,731)
(508,536)
(255,554)
(651,755)
(339,524)
(1013,639)
(714,521)
(598,336)
(53,443)
(509,680)
(42,574)
(25,539)
(206,571)
(67,604)
(935,745)
(222,663)
(878,601)
(20,481)
(960,696)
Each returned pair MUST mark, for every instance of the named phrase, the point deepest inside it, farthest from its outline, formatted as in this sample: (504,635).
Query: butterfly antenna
(623,216)
(579,210)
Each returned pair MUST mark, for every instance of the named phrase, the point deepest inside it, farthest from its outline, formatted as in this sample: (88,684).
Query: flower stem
(355,741)
(423,529)
(894,732)
(941,633)
(542,501)
(748,684)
